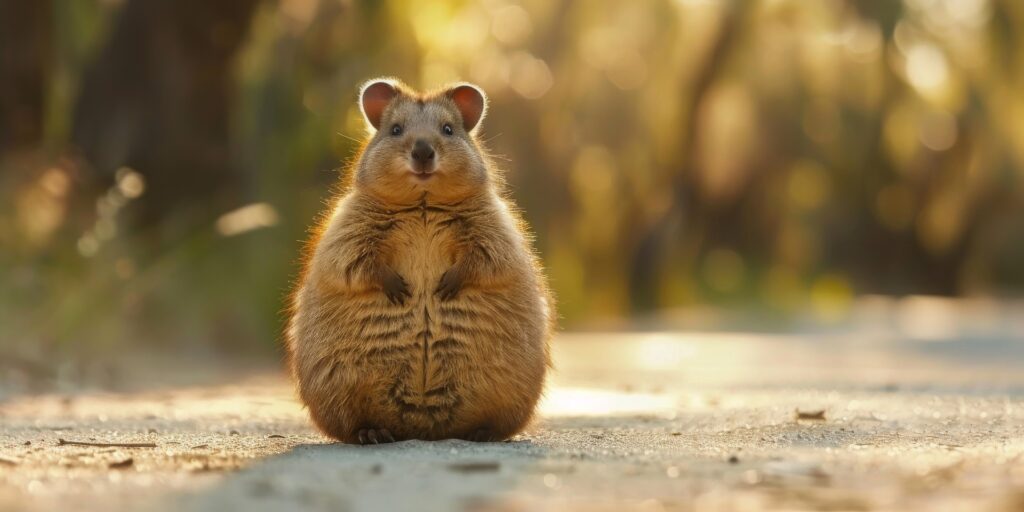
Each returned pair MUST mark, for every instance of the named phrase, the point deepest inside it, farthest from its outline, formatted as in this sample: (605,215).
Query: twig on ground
(64,442)
(810,415)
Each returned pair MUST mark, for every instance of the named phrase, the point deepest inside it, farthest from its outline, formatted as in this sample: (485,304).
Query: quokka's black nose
(422,152)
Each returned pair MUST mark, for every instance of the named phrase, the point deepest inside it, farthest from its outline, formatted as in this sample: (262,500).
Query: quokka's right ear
(374,97)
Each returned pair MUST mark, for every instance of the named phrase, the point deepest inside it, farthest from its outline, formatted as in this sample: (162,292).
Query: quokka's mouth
(423,176)
(422,172)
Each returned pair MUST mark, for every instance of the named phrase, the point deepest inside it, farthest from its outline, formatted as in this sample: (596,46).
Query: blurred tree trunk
(25,58)
(158,99)
(657,239)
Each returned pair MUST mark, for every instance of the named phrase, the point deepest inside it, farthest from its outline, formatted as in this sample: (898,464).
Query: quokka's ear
(471,102)
(374,97)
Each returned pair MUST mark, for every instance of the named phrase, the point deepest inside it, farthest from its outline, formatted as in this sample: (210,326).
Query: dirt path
(639,421)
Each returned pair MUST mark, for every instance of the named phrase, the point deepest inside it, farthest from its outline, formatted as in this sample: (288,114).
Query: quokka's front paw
(375,436)
(394,287)
(450,284)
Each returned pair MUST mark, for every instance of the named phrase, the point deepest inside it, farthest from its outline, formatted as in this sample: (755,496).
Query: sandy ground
(631,422)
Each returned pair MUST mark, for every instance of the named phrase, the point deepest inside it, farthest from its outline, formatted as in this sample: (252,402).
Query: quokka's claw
(395,288)
(449,285)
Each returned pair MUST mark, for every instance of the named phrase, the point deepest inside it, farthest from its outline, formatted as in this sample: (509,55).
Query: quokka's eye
(447,129)
(396,129)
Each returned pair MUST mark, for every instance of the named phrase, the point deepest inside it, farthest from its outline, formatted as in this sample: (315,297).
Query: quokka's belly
(449,366)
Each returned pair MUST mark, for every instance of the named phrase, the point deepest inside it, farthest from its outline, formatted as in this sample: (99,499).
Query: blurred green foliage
(780,154)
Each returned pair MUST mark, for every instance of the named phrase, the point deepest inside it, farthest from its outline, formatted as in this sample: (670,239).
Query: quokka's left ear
(471,102)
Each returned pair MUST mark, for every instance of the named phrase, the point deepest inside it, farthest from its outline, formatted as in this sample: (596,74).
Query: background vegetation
(160,160)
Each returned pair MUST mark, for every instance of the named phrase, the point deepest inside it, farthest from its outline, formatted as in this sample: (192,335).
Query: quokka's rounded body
(422,312)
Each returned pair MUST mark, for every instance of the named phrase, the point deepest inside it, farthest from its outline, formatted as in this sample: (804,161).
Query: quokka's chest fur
(435,337)
(421,242)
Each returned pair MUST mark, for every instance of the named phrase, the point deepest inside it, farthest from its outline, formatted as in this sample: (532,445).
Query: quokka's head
(422,142)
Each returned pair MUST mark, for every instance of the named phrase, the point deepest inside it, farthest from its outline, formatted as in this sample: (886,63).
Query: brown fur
(375,342)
